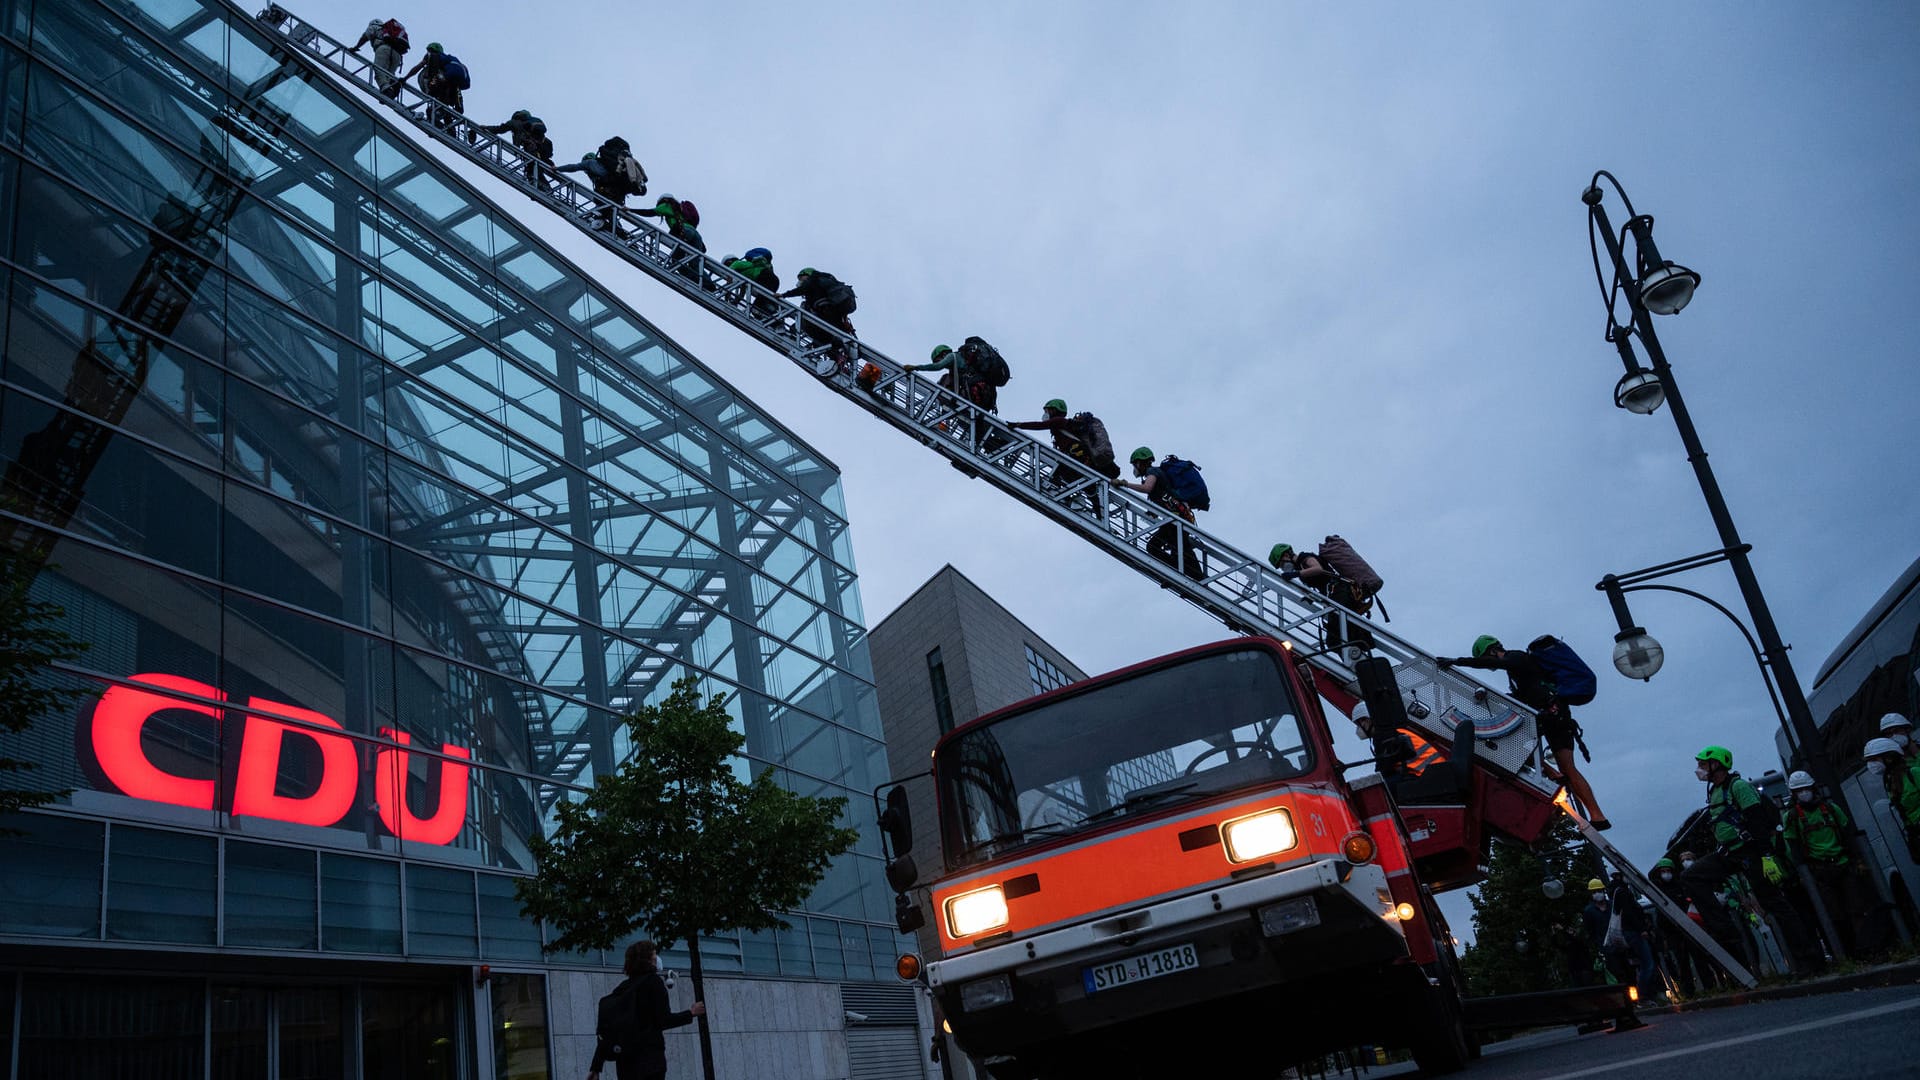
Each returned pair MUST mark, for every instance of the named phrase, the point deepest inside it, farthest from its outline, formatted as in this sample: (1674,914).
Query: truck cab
(1167,865)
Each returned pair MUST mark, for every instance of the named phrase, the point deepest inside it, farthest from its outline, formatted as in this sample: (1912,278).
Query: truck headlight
(976,912)
(986,993)
(1257,836)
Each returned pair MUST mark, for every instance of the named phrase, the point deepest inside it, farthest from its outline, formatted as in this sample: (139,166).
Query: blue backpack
(1188,486)
(1573,680)
(456,72)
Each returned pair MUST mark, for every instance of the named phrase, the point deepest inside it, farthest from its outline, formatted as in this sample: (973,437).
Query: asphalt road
(1844,1036)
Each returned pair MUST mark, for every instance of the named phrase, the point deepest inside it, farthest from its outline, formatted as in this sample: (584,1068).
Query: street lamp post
(1663,287)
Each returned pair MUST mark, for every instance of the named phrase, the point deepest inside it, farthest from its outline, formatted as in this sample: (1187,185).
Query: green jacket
(1903,788)
(1816,833)
(1730,806)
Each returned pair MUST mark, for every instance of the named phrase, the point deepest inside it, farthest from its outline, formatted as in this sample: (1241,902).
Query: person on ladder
(1157,484)
(1743,827)
(1534,686)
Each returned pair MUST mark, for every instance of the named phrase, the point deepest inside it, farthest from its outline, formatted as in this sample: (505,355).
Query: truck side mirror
(907,914)
(897,821)
(902,873)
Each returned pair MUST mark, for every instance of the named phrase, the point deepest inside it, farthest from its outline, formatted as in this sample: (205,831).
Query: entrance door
(278,1033)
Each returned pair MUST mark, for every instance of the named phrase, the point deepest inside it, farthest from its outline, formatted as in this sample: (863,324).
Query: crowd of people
(1757,846)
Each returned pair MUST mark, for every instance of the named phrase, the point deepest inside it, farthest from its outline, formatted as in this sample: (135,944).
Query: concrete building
(376,514)
(948,654)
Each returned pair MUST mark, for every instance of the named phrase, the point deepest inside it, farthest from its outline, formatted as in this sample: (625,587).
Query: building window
(942,704)
(1043,674)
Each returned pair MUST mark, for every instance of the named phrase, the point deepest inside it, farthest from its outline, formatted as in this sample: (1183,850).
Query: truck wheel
(1438,1038)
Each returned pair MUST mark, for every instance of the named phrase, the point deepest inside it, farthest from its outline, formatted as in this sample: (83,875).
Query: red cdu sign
(120,719)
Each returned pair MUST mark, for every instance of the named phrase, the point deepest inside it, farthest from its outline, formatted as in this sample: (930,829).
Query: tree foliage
(32,639)
(674,844)
(1523,940)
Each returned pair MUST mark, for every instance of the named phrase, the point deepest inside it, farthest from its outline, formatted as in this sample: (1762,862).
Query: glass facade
(376,514)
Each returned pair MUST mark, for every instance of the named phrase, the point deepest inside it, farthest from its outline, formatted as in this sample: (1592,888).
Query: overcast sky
(1337,257)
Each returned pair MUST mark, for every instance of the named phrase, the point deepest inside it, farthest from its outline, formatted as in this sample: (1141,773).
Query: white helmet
(1800,780)
(1876,747)
(1361,712)
(1893,721)
(1362,721)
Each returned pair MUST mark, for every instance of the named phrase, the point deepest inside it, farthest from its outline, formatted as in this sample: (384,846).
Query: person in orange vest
(1425,754)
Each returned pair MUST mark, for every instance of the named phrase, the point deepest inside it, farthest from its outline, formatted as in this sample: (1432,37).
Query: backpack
(394,34)
(1573,680)
(985,361)
(836,293)
(625,169)
(613,150)
(618,1024)
(456,72)
(1188,486)
(1092,433)
(1340,556)
(690,212)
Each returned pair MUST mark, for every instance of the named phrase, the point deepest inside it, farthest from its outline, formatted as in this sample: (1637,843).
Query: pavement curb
(1891,975)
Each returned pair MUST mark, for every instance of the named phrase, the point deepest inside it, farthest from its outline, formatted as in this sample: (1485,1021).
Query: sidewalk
(1896,974)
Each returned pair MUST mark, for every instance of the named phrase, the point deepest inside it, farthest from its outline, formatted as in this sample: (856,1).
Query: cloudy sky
(1339,258)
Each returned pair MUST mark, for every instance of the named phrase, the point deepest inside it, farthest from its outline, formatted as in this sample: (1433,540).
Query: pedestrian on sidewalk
(633,1018)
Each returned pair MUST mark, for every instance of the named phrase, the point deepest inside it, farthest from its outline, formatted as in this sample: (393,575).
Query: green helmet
(434,46)
(1716,753)
(1279,554)
(938,350)
(1482,643)
(806,271)
(1664,864)
(1055,405)
(1141,454)
(522,114)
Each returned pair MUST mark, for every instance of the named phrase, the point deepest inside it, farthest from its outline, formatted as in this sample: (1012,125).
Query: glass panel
(239,1033)
(313,1043)
(359,904)
(52,885)
(505,934)
(273,900)
(440,913)
(520,1027)
(758,953)
(117,1027)
(160,886)
(407,1033)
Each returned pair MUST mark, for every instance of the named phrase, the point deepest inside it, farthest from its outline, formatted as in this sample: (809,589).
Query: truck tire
(1437,1036)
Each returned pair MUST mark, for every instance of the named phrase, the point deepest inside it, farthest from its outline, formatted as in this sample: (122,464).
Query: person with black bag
(633,1018)
(1535,685)
(1744,823)
(1338,573)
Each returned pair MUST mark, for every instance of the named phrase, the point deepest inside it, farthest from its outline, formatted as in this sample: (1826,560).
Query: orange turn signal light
(907,967)
(1357,848)
(1633,992)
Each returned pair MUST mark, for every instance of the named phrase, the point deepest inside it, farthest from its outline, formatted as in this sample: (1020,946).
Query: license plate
(1133,969)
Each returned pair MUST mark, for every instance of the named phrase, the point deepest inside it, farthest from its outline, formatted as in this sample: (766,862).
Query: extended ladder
(1242,591)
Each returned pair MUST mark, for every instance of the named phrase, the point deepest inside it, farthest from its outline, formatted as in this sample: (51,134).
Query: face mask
(1804,796)
(1701,772)
(1663,876)
(1599,897)
(1899,740)
(1877,768)
(1684,863)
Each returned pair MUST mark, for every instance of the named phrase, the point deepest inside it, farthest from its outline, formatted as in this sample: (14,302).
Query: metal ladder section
(1673,912)
(1242,591)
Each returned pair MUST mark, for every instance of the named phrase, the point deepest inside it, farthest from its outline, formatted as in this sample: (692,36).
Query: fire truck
(1167,867)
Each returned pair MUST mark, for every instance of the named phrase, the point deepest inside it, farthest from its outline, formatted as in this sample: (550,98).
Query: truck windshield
(1203,726)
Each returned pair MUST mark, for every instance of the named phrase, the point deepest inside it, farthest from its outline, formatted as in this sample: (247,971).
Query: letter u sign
(120,719)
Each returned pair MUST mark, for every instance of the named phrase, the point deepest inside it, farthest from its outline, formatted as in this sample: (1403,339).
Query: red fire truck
(1167,870)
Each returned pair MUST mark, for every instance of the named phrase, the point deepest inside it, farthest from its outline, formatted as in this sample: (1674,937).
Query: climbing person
(1529,681)
(757,266)
(1900,778)
(614,173)
(1337,572)
(976,371)
(443,78)
(1743,825)
(1082,437)
(681,218)
(827,299)
(1160,484)
(528,133)
(389,40)
(1900,730)
(1813,832)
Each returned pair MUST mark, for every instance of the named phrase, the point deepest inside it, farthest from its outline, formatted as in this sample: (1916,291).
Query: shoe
(1601,824)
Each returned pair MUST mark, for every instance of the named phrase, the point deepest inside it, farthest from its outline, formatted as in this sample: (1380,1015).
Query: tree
(32,639)
(1524,940)
(674,845)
